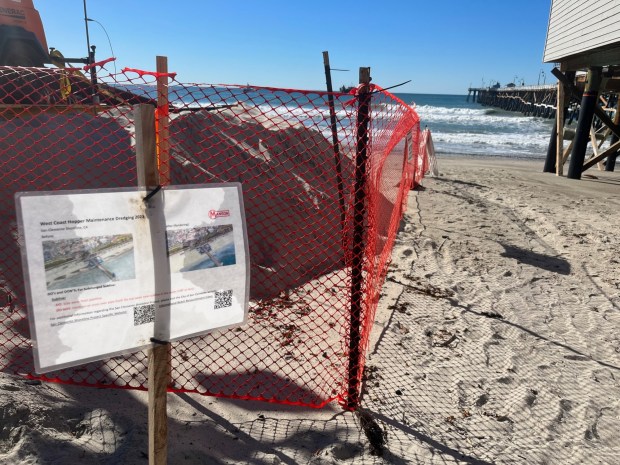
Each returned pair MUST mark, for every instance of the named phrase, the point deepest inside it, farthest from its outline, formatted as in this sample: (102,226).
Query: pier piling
(529,100)
(593,102)
(610,165)
(582,134)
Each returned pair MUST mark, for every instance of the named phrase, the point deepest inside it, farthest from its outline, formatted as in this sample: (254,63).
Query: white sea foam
(474,117)
(485,131)
(511,142)
(457,126)
(479,131)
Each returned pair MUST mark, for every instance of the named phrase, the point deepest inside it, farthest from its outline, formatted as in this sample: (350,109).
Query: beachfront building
(583,38)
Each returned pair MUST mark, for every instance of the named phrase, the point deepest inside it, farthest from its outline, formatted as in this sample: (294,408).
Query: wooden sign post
(163,121)
(152,164)
(158,366)
(159,362)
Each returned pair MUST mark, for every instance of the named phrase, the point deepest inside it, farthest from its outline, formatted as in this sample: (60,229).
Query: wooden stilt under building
(589,101)
(594,127)
(580,44)
(611,160)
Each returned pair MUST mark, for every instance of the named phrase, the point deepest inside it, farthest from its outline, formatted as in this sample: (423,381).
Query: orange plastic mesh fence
(299,194)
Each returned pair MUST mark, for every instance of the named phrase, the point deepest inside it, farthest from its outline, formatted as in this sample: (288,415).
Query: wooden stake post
(152,152)
(359,236)
(163,121)
(158,368)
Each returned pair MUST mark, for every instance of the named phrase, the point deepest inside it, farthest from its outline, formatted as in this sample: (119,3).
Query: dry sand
(497,342)
(503,343)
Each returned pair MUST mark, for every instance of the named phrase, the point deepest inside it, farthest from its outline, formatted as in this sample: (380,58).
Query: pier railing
(529,100)
(59,131)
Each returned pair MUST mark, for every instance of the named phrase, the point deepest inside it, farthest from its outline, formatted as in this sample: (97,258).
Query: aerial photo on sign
(198,248)
(88,260)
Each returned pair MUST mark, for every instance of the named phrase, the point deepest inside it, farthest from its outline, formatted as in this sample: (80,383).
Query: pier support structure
(587,45)
(556,155)
(596,109)
(555,140)
(599,128)
(586,114)
(611,160)
(529,100)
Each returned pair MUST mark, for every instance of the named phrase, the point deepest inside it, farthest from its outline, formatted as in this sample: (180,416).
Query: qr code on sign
(223,299)
(143,314)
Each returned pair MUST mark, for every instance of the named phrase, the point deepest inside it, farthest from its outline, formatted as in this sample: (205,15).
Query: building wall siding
(577,26)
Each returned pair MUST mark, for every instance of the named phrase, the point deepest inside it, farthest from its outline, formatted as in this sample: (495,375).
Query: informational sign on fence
(107,271)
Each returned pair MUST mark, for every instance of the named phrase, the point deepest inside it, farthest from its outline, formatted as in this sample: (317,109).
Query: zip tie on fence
(159,341)
(155,74)
(151,194)
(355,92)
(99,63)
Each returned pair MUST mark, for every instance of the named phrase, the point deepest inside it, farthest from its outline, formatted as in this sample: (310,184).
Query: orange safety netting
(310,311)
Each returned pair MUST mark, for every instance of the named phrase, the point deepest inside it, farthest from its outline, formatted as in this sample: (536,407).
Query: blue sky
(442,46)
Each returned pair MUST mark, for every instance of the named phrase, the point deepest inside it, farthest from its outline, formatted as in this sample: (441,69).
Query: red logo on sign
(218,213)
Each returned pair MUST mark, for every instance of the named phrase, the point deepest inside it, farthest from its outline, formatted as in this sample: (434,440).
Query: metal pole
(93,74)
(90,54)
(332,116)
(87,34)
(359,239)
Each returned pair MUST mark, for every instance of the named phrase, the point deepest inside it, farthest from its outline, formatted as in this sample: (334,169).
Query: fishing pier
(584,44)
(529,100)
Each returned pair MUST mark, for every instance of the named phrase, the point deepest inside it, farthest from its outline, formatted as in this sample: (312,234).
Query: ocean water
(225,255)
(457,126)
(121,265)
(461,127)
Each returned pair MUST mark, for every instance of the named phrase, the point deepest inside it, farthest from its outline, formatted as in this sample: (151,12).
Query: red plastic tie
(155,74)
(98,63)
(355,92)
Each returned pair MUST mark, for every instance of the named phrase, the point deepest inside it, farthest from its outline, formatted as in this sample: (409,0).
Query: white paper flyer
(106,271)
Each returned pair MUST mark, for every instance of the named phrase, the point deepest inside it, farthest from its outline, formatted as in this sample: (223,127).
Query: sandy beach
(62,276)
(496,342)
(502,346)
